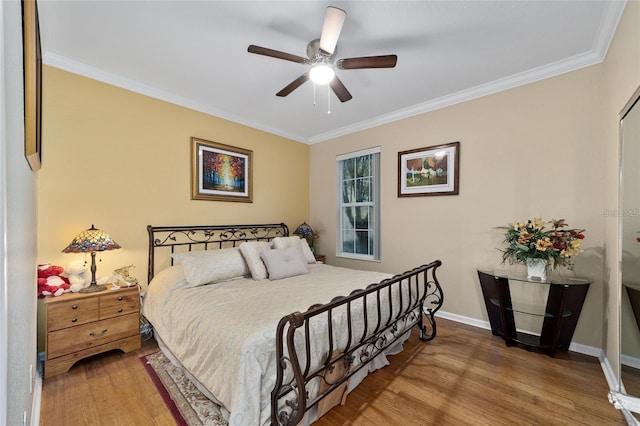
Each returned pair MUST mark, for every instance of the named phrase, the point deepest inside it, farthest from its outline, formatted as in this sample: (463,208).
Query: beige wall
(530,151)
(121,161)
(18,355)
(621,76)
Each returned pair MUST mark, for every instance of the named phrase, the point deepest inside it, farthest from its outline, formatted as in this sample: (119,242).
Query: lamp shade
(91,240)
(305,230)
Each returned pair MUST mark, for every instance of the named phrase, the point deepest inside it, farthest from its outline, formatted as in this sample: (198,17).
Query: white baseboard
(37,399)
(464,320)
(630,361)
(574,347)
(609,374)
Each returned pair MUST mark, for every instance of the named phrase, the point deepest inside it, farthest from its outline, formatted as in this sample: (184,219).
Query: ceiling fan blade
(258,50)
(385,61)
(293,85)
(340,90)
(331,28)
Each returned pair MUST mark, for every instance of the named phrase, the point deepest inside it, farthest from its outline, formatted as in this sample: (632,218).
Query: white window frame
(375,191)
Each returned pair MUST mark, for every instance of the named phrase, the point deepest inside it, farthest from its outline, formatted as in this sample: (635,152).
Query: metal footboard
(319,350)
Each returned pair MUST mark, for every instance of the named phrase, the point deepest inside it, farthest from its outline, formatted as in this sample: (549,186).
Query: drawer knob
(74,307)
(120,298)
(92,334)
(74,320)
(120,310)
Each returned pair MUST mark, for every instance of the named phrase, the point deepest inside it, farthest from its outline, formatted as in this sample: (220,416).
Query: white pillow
(298,243)
(169,278)
(211,266)
(283,263)
(251,251)
(163,284)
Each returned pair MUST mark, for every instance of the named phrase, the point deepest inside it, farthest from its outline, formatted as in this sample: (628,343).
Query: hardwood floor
(465,376)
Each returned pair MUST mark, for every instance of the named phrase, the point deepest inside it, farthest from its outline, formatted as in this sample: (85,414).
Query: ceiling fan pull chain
(314,95)
(328,99)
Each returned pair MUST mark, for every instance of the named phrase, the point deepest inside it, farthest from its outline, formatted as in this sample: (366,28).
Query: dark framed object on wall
(432,170)
(220,172)
(32,58)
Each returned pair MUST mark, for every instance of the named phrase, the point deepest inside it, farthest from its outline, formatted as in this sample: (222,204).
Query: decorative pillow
(307,254)
(283,263)
(211,266)
(251,251)
(298,243)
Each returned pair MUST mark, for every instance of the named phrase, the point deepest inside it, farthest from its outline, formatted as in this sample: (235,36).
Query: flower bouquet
(536,242)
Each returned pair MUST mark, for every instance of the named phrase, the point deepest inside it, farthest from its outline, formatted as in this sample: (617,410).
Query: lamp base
(93,288)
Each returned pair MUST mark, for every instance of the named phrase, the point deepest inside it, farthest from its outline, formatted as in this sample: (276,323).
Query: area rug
(187,404)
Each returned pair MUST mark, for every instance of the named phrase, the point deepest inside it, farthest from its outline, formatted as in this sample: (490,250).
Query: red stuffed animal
(50,281)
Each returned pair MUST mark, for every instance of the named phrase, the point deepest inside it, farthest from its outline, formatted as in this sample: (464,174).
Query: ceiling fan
(320,55)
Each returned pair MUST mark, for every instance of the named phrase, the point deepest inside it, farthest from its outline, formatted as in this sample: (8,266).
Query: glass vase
(537,269)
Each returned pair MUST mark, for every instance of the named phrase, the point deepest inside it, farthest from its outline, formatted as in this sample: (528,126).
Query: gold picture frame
(221,172)
(32,58)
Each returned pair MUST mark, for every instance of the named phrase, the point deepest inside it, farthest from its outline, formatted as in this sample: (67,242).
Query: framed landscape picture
(433,170)
(32,57)
(220,172)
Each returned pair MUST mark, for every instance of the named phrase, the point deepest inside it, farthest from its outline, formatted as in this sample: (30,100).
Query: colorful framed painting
(433,170)
(32,57)
(220,172)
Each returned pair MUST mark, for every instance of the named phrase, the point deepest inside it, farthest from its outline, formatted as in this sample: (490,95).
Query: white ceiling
(194,53)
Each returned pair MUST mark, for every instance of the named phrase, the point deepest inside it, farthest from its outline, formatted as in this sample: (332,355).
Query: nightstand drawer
(119,303)
(75,339)
(71,313)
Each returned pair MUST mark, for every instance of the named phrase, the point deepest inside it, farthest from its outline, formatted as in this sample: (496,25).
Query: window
(359,205)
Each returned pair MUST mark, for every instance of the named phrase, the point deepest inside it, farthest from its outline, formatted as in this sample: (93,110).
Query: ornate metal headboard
(187,238)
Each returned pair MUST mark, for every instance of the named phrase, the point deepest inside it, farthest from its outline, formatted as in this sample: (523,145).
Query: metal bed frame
(419,298)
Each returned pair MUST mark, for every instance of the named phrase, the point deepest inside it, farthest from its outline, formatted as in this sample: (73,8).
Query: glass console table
(564,303)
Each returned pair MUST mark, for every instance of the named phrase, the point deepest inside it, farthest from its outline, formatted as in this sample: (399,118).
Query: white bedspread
(202,326)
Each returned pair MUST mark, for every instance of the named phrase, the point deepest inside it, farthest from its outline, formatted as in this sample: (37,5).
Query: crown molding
(608,26)
(602,41)
(606,32)
(496,86)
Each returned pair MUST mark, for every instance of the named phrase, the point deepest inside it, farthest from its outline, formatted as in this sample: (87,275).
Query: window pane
(348,167)
(362,217)
(348,191)
(363,190)
(371,237)
(347,218)
(362,242)
(363,166)
(347,241)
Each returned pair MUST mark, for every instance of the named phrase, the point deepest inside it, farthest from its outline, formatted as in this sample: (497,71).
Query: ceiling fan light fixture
(322,73)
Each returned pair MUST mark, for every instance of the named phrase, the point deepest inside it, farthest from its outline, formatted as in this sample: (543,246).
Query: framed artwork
(32,57)
(220,172)
(433,170)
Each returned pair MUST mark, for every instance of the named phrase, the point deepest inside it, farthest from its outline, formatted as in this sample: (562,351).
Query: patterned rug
(187,404)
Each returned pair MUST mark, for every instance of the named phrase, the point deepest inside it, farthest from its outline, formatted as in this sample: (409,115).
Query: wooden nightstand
(319,258)
(79,325)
